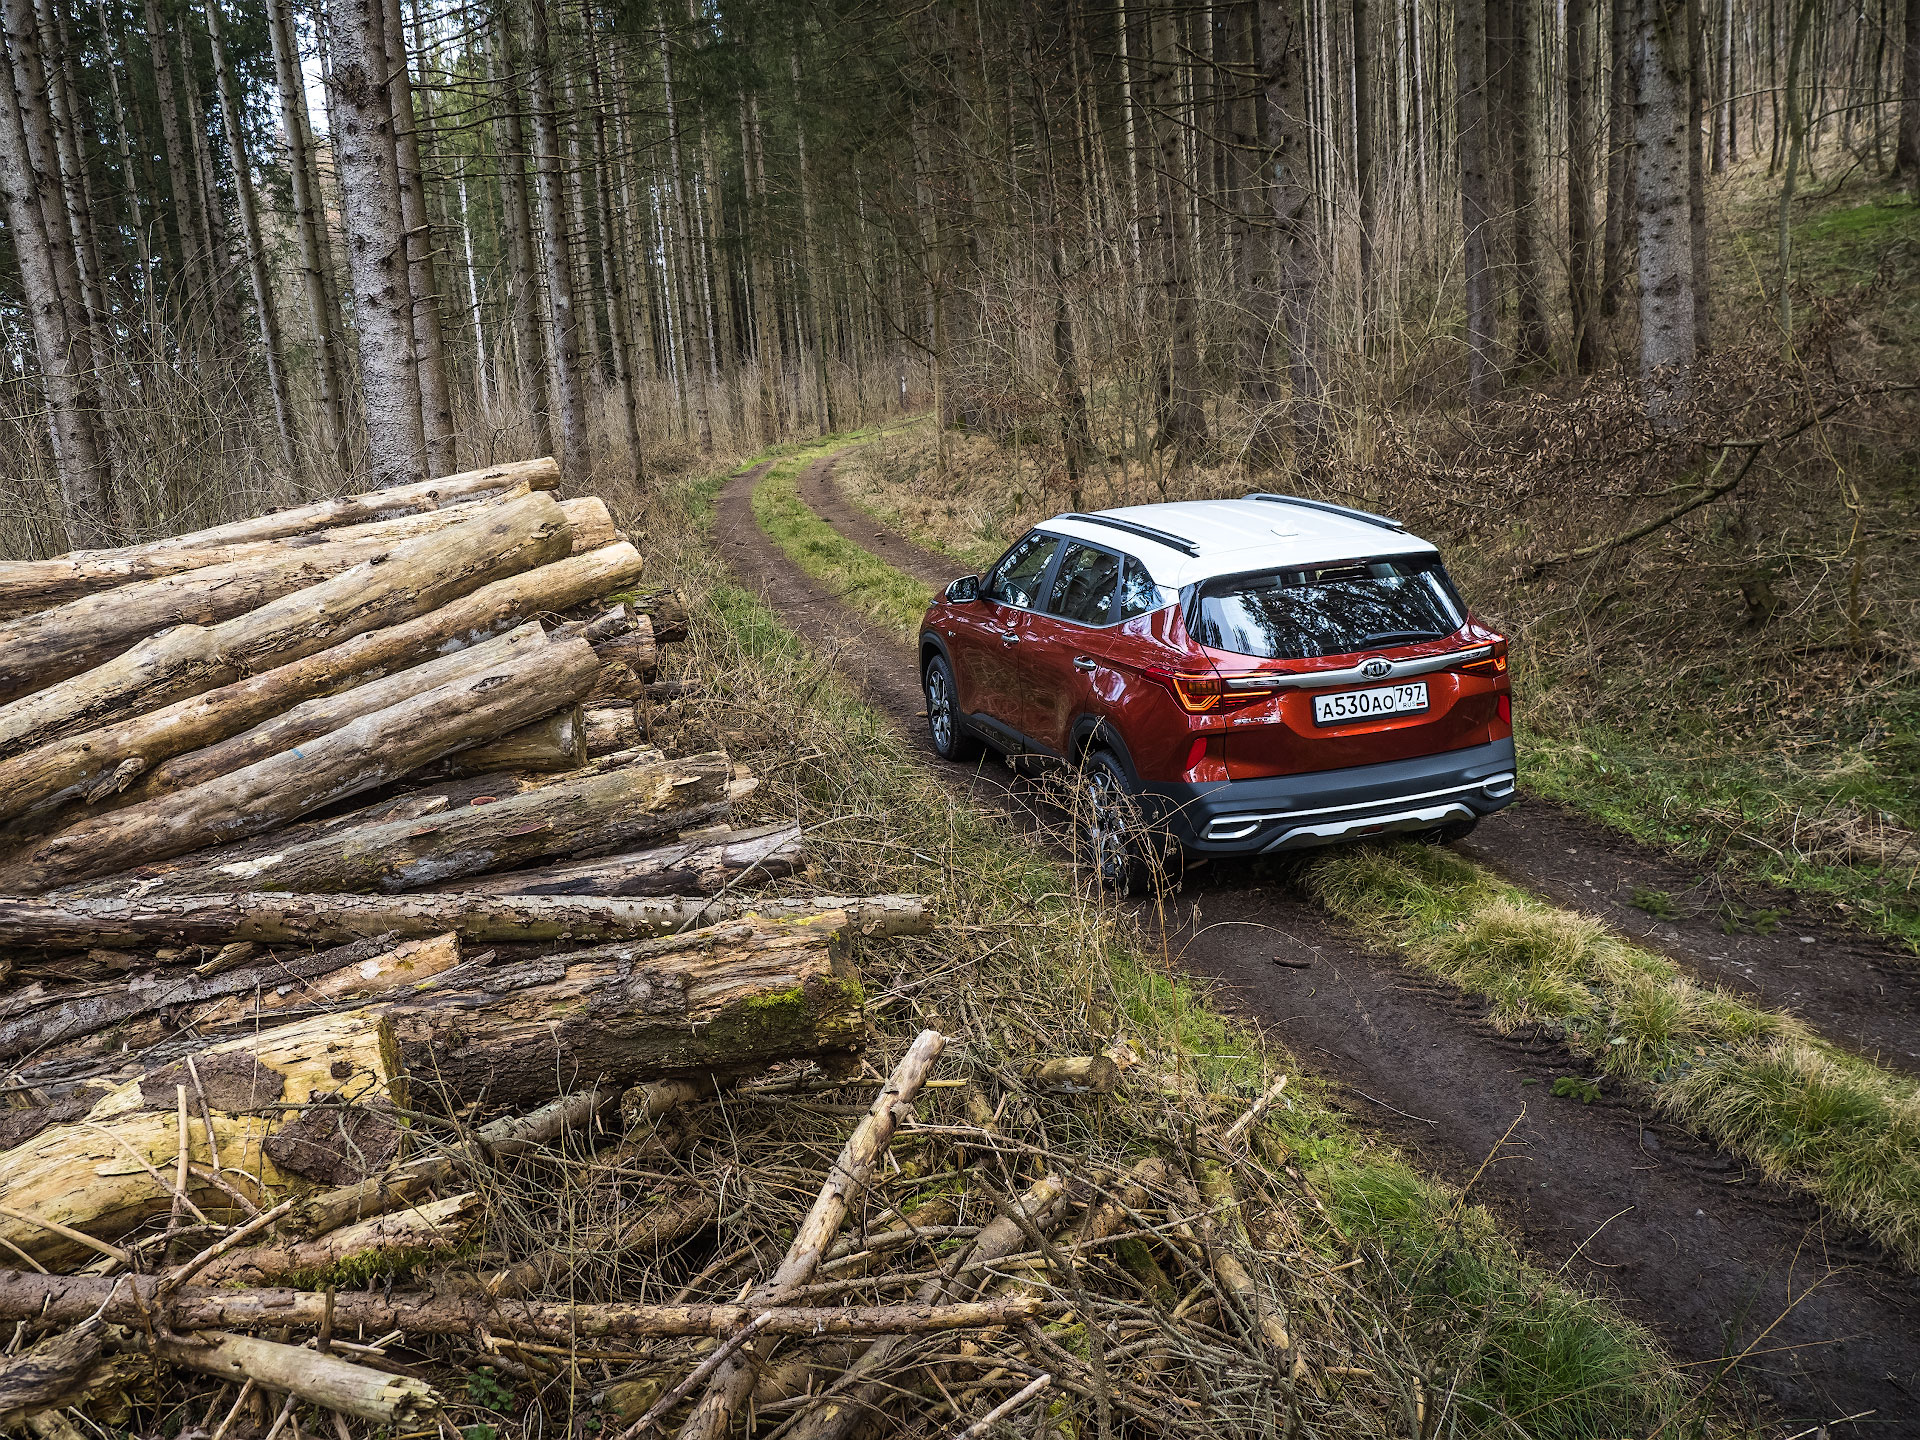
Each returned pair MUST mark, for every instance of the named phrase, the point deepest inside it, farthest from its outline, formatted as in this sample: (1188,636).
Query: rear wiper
(1380,637)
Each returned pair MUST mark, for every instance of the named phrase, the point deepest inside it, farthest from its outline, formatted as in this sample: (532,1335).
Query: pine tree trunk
(309,216)
(429,340)
(1363,133)
(523,284)
(482,355)
(1666,236)
(1530,340)
(816,278)
(192,261)
(265,311)
(1283,46)
(1621,165)
(613,252)
(576,458)
(364,156)
(122,133)
(1725,145)
(55,309)
(1697,178)
(1470,60)
(1182,411)
(1906,155)
(692,339)
(766,325)
(1247,169)
(1580,298)
(77,197)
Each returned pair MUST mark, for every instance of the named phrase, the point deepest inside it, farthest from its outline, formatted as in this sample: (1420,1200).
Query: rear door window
(1327,609)
(1016,579)
(1138,594)
(1084,584)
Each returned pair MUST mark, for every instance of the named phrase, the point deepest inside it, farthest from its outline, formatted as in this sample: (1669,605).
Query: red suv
(1241,676)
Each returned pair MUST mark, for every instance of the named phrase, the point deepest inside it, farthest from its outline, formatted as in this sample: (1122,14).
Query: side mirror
(965,590)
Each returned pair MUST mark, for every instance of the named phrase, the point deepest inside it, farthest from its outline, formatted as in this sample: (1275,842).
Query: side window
(1083,586)
(1138,594)
(1016,579)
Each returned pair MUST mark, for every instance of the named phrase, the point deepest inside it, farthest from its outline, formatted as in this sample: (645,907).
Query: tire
(948,731)
(1111,831)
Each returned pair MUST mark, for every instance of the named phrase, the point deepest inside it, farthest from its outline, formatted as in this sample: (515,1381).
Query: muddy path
(1716,1262)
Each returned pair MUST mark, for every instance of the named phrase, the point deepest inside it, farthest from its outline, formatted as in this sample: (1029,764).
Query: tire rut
(1681,1236)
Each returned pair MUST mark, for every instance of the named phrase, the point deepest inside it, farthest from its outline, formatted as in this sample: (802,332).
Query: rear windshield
(1326,609)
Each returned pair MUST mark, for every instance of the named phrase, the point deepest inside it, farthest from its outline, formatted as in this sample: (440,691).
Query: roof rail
(1145,532)
(1365,516)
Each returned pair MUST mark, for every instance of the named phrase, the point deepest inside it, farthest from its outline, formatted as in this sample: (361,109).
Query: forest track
(1716,1262)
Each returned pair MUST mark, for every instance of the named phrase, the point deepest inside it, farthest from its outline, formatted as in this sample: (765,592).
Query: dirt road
(1716,1262)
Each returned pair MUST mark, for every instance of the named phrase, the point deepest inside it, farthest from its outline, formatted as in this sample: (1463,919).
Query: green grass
(1523,1352)
(1757,1082)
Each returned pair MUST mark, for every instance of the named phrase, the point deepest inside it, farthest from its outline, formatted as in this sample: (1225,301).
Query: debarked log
(476,916)
(399,1401)
(124,1299)
(690,866)
(115,1167)
(597,813)
(363,754)
(89,758)
(409,580)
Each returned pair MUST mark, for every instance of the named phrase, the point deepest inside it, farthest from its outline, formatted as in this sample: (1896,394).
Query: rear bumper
(1296,812)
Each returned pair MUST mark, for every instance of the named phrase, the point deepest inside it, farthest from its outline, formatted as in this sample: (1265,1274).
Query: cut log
(720,1001)
(412,962)
(49,1374)
(689,867)
(113,1168)
(129,1300)
(354,1254)
(55,771)
(610,730)
(475,916)
(397,1401)
(635,647)
(415,578)
(542,474)
(595,814)
(1074,1075)
(313,718)
(364,754)
(617,682)
(555,742)
(667,609)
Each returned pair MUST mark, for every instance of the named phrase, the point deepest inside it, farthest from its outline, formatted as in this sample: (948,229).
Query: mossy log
(475,916)
(365,753)
(115,1167)
(596,813)
(121,740)
(128,1299)
(691,866)
(352,1256)
(410,580)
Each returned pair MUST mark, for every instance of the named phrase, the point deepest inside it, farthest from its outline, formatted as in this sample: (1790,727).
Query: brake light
(1198,693)
(1196,752)
(1505,707)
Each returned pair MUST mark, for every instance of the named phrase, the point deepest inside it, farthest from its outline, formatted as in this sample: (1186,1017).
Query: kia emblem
(1373,669)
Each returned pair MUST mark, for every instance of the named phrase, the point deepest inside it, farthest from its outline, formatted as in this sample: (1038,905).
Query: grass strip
(852,575)
(1758,1082)
(1523,1352)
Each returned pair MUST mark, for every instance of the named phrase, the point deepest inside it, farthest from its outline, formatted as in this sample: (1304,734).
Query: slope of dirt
(1716,1262)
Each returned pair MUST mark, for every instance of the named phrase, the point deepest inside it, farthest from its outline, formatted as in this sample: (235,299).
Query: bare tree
(1470,66)
(1622,90)
(1665,216)
(1180,408)
(1580,298)
(1292,216)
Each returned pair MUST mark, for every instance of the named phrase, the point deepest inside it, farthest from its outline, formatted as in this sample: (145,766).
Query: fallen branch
(398,1401)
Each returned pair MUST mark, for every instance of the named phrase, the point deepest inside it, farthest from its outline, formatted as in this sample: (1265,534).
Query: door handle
(1009,637)
(1085,662)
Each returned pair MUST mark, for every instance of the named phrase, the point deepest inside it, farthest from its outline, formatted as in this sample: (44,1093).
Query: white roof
(1238,535)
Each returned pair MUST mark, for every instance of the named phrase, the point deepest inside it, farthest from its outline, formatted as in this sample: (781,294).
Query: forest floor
(1686,1237)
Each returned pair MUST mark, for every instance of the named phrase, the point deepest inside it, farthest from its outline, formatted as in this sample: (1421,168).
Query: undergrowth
(1026,966)
(1757,1082)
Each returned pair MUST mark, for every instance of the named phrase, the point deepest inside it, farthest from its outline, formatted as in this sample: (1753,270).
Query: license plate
(1348,705)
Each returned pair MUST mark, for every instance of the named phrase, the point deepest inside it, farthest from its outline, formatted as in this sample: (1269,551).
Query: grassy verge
(1024,958)
(1758,1082)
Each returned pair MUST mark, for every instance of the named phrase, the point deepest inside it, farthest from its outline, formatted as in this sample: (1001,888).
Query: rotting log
(554,742)
(597,813)
(691,866)
(635,645)
(665,609)
(397,1401)
(324,713)
(272,917)
(414,578)
(354,1254)
(719,1001)
(50,1373)
(363,754)
(125,1299)
(411,962)
(612,729)
(1074,1075)
(84,760)
(114,1167)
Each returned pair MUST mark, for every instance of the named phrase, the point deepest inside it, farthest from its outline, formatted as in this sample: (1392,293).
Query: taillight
(1505,706)
(1494,664)
(1196,752)
(1197,692)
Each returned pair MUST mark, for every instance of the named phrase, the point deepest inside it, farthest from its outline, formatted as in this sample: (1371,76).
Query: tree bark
(1696,177)
(598,813)
(194,260)
(417,577)
(576,456)
(1470,63)
(122,133)
(1661,184)
(522,268)
(126,734)
(1580,297)
(1530,338)
(824,411)
(1906,154)
(1726,133)
(1182,411)
(309,217)
(365,159)
(429,339)
(1363,132)
(37,228)
(367,752)
(1623,88)
(554,742)
(398,1402)
(1294,229)
(692,866)
(1249,165)
(692,337)
(613,258)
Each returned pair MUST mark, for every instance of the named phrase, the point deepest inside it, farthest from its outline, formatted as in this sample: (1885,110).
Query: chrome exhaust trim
(1329,832)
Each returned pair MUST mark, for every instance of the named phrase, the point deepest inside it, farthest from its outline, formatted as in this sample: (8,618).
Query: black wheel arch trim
(1096,732)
